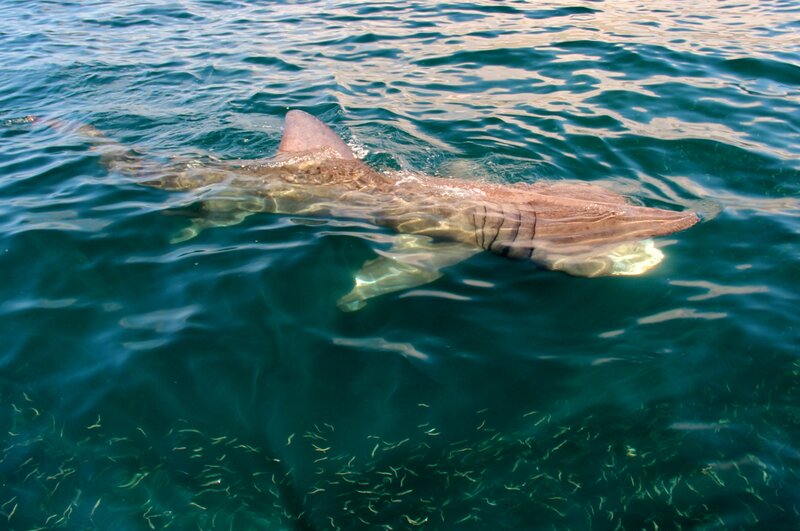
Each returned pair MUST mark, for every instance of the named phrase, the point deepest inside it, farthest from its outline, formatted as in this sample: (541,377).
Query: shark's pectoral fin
(384,275)
(223,212)
(218,219)
(412,261)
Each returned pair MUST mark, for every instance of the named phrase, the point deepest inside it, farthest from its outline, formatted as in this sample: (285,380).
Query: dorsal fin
(302,133)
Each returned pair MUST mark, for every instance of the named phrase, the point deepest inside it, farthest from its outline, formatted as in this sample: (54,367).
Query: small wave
(680,313)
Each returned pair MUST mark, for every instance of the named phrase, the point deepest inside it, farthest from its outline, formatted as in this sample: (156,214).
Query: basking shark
(571,226)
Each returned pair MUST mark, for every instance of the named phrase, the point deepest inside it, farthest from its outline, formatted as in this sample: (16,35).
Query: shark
(575,227)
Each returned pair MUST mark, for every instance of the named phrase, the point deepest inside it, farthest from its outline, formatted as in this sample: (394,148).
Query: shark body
(570,226)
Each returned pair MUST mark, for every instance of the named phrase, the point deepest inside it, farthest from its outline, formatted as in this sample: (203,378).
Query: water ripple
(682,383)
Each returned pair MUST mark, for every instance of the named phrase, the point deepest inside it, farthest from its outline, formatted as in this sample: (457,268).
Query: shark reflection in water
(575,227)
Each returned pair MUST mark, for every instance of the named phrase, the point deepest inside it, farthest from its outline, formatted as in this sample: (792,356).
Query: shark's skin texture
(570,226)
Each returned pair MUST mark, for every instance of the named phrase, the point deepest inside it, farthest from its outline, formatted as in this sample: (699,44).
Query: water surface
(214,384)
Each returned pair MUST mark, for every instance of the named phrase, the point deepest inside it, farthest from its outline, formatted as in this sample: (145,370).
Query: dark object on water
(20,120)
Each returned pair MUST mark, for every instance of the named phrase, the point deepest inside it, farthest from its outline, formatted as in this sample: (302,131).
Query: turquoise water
(214,384)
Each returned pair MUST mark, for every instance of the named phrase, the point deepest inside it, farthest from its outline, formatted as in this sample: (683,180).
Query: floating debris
(19,120)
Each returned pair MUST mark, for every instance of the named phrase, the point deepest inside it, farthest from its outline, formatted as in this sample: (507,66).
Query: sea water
(212,383)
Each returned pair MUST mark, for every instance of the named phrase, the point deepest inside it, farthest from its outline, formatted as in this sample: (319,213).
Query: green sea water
(214,383)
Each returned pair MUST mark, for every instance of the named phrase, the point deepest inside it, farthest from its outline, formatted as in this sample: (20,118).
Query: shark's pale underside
(576,227)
